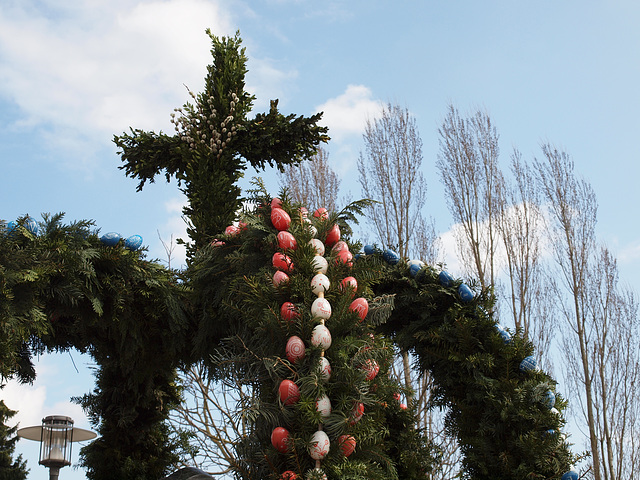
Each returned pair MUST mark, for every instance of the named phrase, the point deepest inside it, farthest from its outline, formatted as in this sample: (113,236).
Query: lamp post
(56,435)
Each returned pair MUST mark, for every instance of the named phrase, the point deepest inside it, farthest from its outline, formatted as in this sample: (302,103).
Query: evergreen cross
(62,287)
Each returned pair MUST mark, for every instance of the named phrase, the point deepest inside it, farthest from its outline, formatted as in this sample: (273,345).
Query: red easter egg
(279,439)
(321,213)
(217,243)
(276,203)
(347,444)
(349,284)
(344,256)
(286,241)
(282,262)
(397,396)
(360,306)
(289,312)
(288,475)
(242,225)
(295,349)
(304,213)
(279,277)
(280,219)
(371,369)
(357,413)
(403,406)
(339,246)
(231,230)
(289,392)
(333,235)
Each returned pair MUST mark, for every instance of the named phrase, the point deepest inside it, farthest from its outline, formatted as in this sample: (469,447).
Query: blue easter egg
(570,475)
(551,432)
(391,257)
(369,249)
(414,269)
(549,399)
(446,280)
(110,239)
(506,336)
(133,243)
(11,226)
(528,364)
(31,225)
(466,294)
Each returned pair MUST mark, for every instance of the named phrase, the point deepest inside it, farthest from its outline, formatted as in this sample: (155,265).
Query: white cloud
(346,115)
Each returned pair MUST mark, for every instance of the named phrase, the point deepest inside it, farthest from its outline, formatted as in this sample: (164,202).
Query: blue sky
(74,73)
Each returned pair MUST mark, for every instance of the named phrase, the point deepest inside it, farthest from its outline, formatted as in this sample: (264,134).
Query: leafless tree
(468,166)
(313,183)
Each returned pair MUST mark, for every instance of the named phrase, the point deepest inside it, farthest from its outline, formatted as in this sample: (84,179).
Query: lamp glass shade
(55,445)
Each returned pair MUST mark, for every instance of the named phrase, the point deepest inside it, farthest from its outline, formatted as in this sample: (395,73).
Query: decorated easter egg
(321,213)
(403,406)
(415,266)
(347,444)
(345,257)
(289,475)
(325,368)
(31,225)
(528,364)
(321,308)
(549,399)
(133,243)
(506,336)
(280,278)
(555,411)
(339,246)
(323,406)
(333,235)
(391,257)
(319,264)
(11,226)
(282,262)
(466,294)
(312,230)
(320,283)
(304,213)
(242,226)
(356,413)
(280,439)
(319,445)
(317,245)
(295,349)
(280,219)
(217,243)
(231,230)
(360,306)
(110,239)
(370,249)
(276,203)
(289,312)
(321,337)
(289,392)
(571,475)
(445,278)
(371,369)
(286,241)
(349,284)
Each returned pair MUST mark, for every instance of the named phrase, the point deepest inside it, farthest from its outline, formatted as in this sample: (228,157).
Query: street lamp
(55,436)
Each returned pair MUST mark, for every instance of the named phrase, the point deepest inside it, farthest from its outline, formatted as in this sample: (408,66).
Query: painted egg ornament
(528,364)
(321,337)
(217,243)
(321,308)
(289,475)
(391,257)
(549,399)
(466,294)
(231,230)
(320,445)
(276,203)
(345,257)
(280,219)
(347,444)
(349,284)
(321,213)
(415,266)
(571,475)
(319,264)
(282,262)
(360,306)
(289,392)
(280,278)
(110,239)
(555,411)
(295,349)
(133,243)
(403,406)
(288,312)
(506,336)
(280,439)
(370,249)
(304,213)
(286,241)
(357,413)
(325,368)
(333,235)
(339,246)
(320,283)
(313,231)
(317,245)
(371,369)
(445,278)
(323,406)
(11,226)
(31,225)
